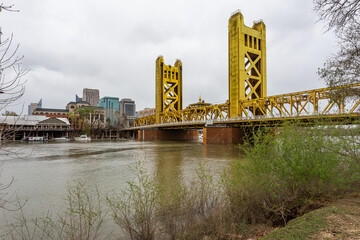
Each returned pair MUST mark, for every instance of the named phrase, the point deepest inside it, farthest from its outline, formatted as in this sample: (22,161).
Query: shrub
(285,171)
(187,212)
(82,220)
(135,210)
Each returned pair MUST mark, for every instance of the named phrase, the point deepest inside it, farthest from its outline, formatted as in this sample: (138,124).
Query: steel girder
(304,105)
(324,101)
(213,112)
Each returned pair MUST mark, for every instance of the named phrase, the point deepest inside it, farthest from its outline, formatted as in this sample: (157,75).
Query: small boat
(83,138)
(62,139)
(36,139)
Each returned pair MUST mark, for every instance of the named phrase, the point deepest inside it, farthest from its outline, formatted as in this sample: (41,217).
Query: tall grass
(195,209)
(83,219)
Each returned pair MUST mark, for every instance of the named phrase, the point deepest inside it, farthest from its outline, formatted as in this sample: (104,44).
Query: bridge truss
(324,101)
(319,103)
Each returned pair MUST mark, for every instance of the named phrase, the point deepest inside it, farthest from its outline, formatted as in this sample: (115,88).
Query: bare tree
(342,16)
(11,69)
(122,121)
(11,89)
(12,84)
(11,73)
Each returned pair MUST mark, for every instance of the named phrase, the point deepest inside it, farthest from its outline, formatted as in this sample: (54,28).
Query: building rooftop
(126,99)
(28,120)
(51,110)
(91,89)
(200,103)
(116,98)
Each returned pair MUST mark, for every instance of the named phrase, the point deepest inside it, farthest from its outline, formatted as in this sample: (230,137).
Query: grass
(308,225)
(302,227)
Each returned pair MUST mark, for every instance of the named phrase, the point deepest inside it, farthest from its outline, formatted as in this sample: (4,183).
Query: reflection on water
(168,165)
(42,171)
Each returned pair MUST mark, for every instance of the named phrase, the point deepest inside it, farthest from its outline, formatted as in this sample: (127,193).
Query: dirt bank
(336,220)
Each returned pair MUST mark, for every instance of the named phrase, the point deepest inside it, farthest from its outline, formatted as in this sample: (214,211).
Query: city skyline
(68,49)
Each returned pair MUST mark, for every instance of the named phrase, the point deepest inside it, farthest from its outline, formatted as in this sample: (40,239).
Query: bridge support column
(223,135)
(168,134)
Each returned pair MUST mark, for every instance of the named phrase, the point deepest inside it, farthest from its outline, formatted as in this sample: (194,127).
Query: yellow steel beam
(291,104)
(247,62)
(355,106)
(286,106)
(168,89)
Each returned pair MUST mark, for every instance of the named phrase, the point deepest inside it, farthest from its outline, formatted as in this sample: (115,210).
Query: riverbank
(339,219)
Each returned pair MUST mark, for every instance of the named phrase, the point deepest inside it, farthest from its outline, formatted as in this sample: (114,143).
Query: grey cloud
(112,46)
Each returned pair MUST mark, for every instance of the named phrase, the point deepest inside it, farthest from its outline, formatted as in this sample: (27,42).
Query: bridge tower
(247,62)
(168,89)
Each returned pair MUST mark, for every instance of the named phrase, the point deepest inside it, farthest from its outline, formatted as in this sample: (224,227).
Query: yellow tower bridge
(248,103)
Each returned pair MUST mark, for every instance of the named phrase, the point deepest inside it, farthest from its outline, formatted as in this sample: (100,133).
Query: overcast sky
(112,45)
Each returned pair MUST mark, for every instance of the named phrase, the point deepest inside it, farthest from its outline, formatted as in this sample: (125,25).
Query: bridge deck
(255,121)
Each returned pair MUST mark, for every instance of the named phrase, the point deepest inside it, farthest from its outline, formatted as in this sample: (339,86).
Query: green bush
(135,210)
(286,170)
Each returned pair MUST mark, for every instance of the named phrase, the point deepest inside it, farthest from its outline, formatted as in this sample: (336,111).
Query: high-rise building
(111,106)
(33,106)
(91,96)
(77,98)
(128,107)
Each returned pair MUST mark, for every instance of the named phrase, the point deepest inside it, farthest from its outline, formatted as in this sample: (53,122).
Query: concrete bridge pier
(168,134)
(223,135)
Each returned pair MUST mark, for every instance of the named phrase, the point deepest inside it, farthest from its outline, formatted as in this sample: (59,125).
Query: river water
(42,171)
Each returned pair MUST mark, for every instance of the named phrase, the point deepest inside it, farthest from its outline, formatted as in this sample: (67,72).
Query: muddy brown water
(42,171)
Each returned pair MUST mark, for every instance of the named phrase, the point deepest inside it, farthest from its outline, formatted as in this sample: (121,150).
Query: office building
(128,107)
(111,106)
(91,96)
(33,106)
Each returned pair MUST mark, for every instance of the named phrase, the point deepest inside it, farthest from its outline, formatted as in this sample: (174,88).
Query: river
(41,172)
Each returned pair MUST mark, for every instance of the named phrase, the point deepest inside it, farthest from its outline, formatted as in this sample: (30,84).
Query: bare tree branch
(338,13)
(342,16)
(8,8)
(12,85)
